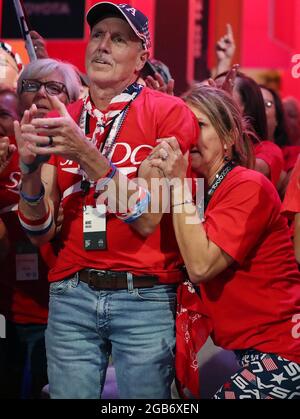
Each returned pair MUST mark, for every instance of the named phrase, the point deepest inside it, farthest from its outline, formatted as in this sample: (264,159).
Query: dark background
(53,19)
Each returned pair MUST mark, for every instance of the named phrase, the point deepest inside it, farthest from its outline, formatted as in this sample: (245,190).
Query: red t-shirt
(272,155)
(291,203)
(290,155)
(22,300)
(152,115)
(253,303)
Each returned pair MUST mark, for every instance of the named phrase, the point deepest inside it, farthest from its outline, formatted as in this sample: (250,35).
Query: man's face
(114,54)
(9,112)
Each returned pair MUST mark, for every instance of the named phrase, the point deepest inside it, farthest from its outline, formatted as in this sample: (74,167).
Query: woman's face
(8,113)
(270,112)
(41,97)
(208,156)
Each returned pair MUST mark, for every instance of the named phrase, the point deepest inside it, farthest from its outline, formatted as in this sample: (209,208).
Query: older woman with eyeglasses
(47,77)
(24,290)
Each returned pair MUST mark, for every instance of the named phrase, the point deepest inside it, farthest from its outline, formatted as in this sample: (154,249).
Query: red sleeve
(178,121)
(290,155)
(53,160)
(291,203)
(240,216)
(272,155)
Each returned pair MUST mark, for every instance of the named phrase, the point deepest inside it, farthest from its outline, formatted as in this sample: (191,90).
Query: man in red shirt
(113,288)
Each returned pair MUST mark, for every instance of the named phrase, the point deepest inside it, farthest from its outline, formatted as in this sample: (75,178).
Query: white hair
(44,67)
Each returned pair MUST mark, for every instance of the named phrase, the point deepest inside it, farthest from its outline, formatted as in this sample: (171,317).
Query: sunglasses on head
(53,88)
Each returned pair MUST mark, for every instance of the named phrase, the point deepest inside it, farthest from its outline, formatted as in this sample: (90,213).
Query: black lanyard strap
(220,176)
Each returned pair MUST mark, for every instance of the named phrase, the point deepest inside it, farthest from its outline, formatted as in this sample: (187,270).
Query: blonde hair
(226,118)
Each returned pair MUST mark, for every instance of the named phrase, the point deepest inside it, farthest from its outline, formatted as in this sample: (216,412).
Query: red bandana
(193,327)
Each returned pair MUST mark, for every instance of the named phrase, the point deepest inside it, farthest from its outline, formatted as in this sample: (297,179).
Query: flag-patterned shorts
(263,376)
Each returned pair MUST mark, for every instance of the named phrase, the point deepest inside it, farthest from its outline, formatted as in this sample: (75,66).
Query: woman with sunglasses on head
(268,156)
(24,290)
(279,133)
(238,254)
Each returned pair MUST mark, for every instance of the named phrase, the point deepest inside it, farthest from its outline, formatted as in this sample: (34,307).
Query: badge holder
(27,262)
(94,227)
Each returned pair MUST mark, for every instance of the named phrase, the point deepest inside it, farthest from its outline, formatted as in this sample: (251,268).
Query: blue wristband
(101,183)
(33,200)
(139,209)
(27,169)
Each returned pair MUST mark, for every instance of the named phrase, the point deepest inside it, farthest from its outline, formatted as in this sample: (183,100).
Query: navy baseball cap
(136,19)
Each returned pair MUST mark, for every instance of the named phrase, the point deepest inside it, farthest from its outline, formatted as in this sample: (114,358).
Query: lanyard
(220,176)
(115,126)
(106,147)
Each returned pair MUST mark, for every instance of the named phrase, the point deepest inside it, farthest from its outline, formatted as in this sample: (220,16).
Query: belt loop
(130,281)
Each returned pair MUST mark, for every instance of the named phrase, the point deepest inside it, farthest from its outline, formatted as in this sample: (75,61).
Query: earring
(226,157)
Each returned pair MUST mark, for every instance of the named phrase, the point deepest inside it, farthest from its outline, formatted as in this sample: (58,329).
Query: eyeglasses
(53,88)
(268,103)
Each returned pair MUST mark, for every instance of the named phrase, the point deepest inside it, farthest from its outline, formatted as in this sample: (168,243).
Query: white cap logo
(131,10)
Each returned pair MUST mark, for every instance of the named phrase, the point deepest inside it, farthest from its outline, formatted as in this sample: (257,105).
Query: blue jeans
(86,326)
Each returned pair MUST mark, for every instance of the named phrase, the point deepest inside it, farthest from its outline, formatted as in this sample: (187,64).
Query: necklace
(115,124)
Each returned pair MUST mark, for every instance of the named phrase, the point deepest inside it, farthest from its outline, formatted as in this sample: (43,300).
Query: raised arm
(39,198)
(225,49)
(39,45)
(203,258)
(69,141)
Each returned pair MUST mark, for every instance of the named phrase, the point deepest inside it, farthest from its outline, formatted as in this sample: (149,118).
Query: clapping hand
(6,152)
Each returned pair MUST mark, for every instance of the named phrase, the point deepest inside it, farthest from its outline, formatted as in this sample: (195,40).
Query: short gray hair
(44,67)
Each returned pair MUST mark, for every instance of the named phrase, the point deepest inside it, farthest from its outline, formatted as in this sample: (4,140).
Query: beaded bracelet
(104,180)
